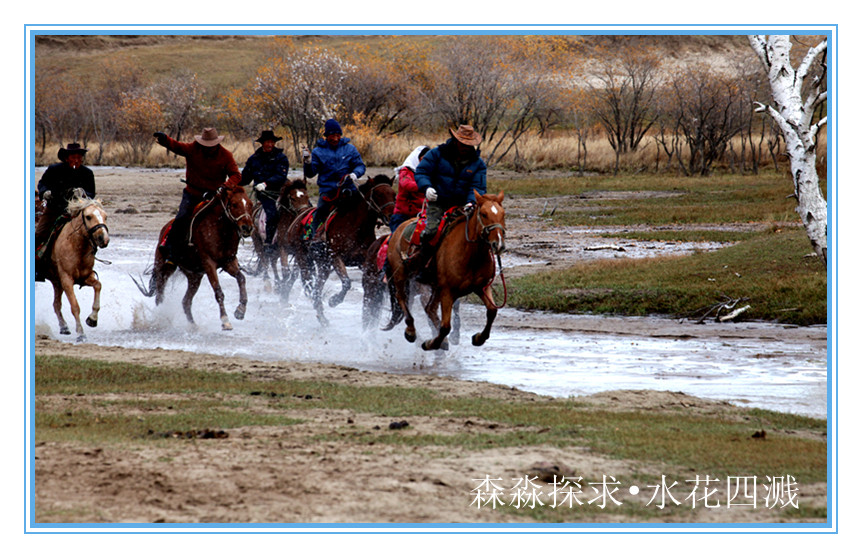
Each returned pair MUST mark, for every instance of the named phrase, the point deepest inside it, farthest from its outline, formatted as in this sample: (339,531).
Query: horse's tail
(147,292)
(397,314)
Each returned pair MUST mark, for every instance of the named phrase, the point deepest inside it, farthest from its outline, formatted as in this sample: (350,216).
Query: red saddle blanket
(309,217)
(381,254)
(448,218)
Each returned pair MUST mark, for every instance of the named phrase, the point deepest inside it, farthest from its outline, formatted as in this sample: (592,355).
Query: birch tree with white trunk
(796,94)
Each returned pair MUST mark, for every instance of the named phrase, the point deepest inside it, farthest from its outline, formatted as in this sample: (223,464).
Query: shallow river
(782,376)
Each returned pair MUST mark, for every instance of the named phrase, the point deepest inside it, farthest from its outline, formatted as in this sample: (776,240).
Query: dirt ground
(279,475)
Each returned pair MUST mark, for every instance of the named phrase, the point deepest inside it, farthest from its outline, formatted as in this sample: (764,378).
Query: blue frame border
(32,30)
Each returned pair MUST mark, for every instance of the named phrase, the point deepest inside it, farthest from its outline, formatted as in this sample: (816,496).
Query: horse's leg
(93,281)
(455,334)
(161,272)
(490,313)
(320,278)
(69,289)
(445,298)
(341,271)
(212,274)
(402,294)
(432,306)
(194,282)
(58,303)
(234,270)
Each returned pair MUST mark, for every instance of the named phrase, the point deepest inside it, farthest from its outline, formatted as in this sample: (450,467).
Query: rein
(483,235)
(91,231)
(369,201)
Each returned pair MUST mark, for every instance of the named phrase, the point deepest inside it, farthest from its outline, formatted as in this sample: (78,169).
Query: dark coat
(60,179)
(269,167)
(205,173)
(454,184)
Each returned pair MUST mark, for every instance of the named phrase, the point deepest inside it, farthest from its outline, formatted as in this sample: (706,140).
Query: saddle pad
(261,224)
(449,217)
(381,254)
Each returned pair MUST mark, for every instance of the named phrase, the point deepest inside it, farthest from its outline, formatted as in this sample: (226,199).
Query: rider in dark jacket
(267,169)
(58,185)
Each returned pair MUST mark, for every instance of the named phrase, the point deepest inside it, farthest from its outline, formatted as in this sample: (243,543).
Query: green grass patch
(769,269)
(222,401)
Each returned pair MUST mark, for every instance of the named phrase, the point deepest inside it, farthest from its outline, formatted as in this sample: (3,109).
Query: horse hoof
(444,346)
(478,340)
(455,338)
(80,339)
(64,331)
(91,322)
(226,326)
(410,337)
(239,314)
(335,301)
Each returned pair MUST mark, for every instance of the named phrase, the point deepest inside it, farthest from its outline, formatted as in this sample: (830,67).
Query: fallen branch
(727,304)
(613,247)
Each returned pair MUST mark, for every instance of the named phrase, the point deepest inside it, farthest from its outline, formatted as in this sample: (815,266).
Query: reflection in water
(773,375)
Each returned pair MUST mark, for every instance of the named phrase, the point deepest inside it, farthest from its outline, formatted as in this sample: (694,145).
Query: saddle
(414,230)
(306,221)
(43,250)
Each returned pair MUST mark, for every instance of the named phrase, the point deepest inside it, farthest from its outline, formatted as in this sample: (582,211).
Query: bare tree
(797,94)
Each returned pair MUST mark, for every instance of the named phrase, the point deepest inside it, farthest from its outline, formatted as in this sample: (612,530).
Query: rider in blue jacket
(337,164)
(448,175)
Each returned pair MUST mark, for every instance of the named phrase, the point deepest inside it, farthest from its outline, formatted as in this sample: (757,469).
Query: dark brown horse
(292,199)
(463,264)
(70,261)
(216,228)
(349,232)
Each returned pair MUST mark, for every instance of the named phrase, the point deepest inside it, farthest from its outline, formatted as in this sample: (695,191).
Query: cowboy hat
(267,135)
(466,135)
(209,137)
(70,149)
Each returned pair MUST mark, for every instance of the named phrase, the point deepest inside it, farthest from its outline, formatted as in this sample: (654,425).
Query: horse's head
(237,206)
(294,196)
(491,219)
(379,196)
(94,218)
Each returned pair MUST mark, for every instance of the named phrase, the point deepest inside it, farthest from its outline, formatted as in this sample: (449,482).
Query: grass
(770,270)
(215,400)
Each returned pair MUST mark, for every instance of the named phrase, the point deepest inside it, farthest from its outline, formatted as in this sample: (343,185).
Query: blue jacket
(332,164)
(454,184)
(269,167)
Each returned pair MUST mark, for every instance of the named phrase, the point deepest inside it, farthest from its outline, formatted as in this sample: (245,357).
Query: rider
(337,163)
(267,168)
(209,166)
(408,202)
(447,175)
(59,184)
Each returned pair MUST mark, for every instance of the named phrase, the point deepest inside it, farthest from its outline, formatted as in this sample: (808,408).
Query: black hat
(70,149)
(267,135)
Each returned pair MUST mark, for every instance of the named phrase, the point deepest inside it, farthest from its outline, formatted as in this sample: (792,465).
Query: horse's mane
(78,204)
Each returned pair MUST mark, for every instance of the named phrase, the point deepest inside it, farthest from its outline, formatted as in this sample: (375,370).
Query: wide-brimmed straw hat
(209,137)
(466,135)
(70,149)
(267,135)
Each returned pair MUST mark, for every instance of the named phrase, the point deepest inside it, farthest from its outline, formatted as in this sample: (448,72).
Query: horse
(71,260)
(463,264)
(292,199)
(216,228)
(349,231)
(376,283)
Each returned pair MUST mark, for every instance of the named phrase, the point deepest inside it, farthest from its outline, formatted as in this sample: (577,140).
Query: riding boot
(418,263)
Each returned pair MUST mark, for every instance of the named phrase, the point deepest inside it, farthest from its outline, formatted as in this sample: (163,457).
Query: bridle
(222,200)
(485,233)
(373,205)
(90,231)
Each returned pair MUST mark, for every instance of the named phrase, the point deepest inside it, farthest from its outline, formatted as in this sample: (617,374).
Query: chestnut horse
(292,199)
(216,228)
(349,232)
(463,264)
(72,258)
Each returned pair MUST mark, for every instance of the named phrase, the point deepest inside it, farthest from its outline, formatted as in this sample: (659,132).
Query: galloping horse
(463,264)
(349,232)
(216,228)
(292,199)
(72,258)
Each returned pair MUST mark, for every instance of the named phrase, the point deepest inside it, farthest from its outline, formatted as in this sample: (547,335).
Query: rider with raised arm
(209,166)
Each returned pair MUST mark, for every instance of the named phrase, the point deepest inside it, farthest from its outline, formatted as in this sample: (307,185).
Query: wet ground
(745,364)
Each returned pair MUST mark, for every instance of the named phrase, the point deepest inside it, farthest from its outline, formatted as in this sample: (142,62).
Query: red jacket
(206,173)
(409,199)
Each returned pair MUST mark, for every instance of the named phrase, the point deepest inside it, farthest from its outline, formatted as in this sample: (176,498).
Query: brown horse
(349,232)
(216,228)
(72,258)
(292,199)
(463,264)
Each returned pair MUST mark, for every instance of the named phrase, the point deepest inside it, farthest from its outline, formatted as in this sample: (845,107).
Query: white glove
(468,207)
(47,195)
(431,194)
(306,155)
(353,178)
(260,187)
